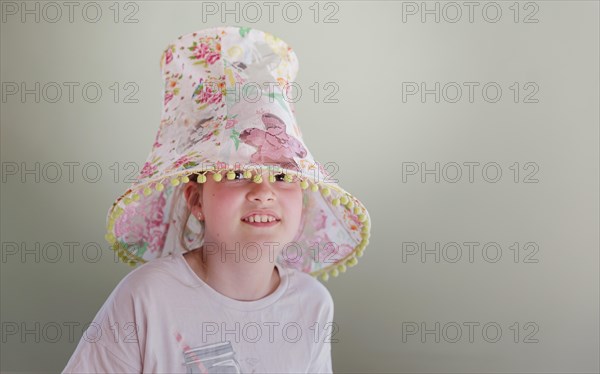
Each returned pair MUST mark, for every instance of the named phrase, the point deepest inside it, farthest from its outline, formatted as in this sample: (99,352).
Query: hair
(186,217)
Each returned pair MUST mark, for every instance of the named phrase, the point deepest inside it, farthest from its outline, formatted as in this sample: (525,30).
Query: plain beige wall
(372,135)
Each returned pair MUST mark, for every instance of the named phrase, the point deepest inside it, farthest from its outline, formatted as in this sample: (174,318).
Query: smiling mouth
(260,219)
(270,221)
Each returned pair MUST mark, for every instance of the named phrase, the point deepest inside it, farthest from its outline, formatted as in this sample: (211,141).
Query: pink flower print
(213,57)
(169,56)
(156,143)
(148,170)
(182,160)
(168,97)
(125,229)
(209,92)
(230,123)
(320,221)
(201,51)
(154,229)
(207,52)
(210,97)
(155,237)
(155,215)
(352,220)
(171,88)
(206,137)
(215,94)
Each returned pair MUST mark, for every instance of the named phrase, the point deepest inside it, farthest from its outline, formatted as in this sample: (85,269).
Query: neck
(237,279)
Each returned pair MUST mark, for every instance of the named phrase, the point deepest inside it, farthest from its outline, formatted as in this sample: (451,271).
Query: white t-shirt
(185,326)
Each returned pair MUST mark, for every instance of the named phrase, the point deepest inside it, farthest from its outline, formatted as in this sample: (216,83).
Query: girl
(231,219)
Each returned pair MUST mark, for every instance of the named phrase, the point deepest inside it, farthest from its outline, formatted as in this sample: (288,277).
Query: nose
(261,191)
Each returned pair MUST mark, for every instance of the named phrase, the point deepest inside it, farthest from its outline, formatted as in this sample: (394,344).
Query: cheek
(225,201)
(294,203)
(215,201)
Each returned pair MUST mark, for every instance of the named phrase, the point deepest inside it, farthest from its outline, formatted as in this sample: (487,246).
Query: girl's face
(224,204)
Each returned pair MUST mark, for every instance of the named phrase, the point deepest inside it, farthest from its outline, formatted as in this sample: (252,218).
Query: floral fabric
(226,104)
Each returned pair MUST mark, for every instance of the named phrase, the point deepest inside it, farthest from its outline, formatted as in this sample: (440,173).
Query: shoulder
(310,293)
(149,277)
(141,291)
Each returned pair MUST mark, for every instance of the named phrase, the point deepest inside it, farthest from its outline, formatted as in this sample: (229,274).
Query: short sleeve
(112,342)
(96,358)
(321,362)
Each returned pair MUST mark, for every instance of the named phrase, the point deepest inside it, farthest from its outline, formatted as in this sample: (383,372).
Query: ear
(191,192)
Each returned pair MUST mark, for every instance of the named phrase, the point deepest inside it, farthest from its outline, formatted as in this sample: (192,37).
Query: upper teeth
(258,218)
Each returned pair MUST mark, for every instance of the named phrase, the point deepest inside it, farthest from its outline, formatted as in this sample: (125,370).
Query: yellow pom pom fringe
(348,201)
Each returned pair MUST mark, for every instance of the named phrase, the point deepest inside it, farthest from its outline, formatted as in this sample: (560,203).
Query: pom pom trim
(348,201)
